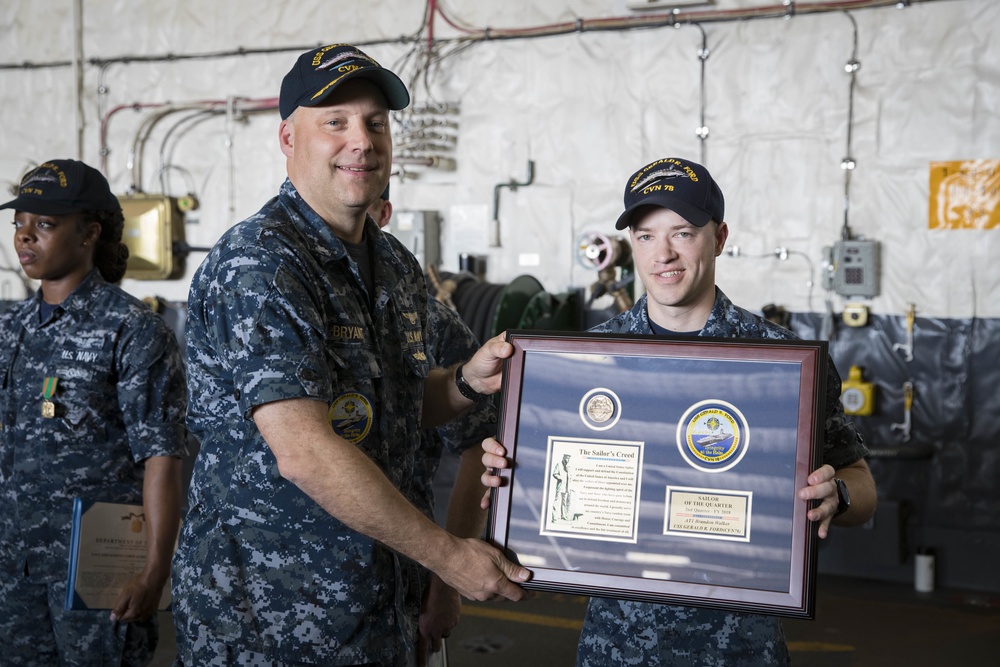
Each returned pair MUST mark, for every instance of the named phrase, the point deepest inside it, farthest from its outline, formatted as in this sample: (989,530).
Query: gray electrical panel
(420,232)
(854,268)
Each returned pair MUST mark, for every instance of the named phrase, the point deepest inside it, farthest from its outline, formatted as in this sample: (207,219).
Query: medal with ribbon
(48,391)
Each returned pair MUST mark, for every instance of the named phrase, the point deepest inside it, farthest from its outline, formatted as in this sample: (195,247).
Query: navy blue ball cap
(319,72)
(683,186)
(58,187)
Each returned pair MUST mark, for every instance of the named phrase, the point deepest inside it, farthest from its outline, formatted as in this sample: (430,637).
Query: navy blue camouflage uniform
(449,341)
(617,633)
(263,575)
(119,400)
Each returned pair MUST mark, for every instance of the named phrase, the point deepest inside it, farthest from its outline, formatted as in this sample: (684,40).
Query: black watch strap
(843,497)
(466,389)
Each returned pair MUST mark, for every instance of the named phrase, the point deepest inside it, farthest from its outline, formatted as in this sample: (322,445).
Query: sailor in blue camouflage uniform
(309,385)
(674,212)
(92,406)
(448,341)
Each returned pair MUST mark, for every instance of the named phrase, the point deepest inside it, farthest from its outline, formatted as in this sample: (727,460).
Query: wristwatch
(843,495)
(466,389)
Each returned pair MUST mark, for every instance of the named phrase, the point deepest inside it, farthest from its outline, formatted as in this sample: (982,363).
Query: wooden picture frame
(662,469)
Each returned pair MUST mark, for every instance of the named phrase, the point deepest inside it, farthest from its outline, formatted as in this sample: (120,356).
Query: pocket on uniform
(86,392)
(416,360)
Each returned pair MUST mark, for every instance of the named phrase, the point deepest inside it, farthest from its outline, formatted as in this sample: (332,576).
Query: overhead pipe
(78,76)
(433,161)
(579,25)
(134,162)
(165,155)
(167,108)
(513,185)
(106,121)
(674,18)
(848,163)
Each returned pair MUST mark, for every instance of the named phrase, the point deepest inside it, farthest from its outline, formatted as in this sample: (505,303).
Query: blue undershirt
(45,311)
(661,331)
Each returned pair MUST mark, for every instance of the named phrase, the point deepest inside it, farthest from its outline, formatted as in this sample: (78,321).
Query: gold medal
(48,391)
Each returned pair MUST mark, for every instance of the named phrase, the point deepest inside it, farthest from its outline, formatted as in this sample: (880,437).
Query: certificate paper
(107,548)
(708,513)
(592,490)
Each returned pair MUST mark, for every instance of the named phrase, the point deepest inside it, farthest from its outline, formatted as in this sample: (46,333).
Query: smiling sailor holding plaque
(675,215)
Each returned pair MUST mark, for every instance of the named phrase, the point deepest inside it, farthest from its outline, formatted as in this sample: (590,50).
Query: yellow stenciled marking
(520,617)
(318,58)
(346,332)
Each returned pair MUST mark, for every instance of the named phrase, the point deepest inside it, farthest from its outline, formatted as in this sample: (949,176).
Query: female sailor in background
(92,407)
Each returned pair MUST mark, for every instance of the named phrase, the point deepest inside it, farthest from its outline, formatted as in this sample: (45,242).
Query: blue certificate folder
(107,547)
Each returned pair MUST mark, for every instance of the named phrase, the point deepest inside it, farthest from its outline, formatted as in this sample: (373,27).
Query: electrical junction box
(854,268)
(420,232)
(857,396)
(154,226)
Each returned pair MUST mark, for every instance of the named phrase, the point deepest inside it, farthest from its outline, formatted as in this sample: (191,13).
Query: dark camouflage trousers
(207,651)
(620,633)
(35,631)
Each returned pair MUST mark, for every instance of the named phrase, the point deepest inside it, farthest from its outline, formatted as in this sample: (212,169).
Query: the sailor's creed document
(107,548)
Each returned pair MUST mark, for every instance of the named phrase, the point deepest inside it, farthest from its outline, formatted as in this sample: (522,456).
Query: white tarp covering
(588,108)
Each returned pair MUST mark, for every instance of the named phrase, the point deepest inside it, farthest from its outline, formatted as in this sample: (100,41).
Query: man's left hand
(821,488)
(484,371)
(439,615)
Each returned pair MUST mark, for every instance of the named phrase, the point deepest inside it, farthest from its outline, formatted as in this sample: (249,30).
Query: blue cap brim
(39,206)
(396,95)
(692,214)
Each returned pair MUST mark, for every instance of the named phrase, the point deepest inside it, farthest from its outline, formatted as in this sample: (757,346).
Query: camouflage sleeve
(471,428)
(151,389)
(450,341)
(267,324)
(842,443)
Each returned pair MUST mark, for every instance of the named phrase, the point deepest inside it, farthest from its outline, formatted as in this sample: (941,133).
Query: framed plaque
(662,469)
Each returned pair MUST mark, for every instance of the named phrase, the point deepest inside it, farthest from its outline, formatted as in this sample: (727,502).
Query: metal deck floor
(859,623)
